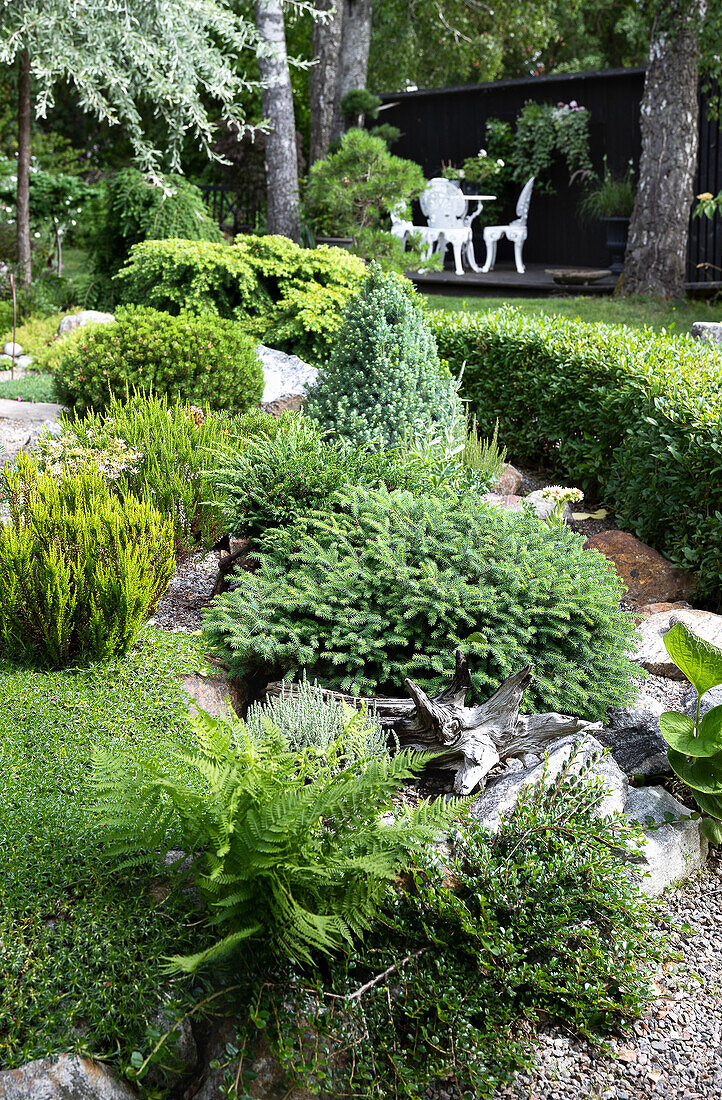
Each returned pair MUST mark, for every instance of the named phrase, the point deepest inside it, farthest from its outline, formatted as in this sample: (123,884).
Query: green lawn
(675,317)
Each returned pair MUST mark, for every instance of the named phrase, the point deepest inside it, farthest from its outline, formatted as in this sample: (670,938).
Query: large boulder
(287,379)
(67,1077)
(707,332)
(710,699)
(85,317)
(674,847)
(509,481)
(650,652)
(633,737)
(648,576)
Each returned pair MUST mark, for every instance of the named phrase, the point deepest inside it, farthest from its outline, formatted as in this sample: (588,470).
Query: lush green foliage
(543,134)
(611,197)
(356,187)
(80,572)
(82,948)
(384,382)
(277,479)
(695,745)
(291,298)
(292,850)
(156,450)
(635,415)
(538,921)
(394,585)
(141,209)
(199,358)
(33,387)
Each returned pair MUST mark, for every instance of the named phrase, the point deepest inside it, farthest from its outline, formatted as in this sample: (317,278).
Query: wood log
(469,740)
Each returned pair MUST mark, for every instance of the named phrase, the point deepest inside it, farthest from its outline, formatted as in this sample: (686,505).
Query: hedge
(634,415)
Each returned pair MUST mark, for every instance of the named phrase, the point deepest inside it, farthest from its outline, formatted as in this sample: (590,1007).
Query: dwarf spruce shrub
(80,570)
(391,586)
(636,415)
(202,359)
(384,382)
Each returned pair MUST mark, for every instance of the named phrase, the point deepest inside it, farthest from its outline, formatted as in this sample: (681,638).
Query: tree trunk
(23,192)
(353,60)
(277,102)
(657,246)
(324,78)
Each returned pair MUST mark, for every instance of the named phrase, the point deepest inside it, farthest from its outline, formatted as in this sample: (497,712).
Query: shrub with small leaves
(384,382)
(202,359)
(391,586)
(80,570)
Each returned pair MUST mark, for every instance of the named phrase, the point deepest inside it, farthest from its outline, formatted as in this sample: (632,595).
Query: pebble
(188,594)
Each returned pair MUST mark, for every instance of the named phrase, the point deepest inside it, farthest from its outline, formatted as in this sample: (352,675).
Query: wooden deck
(504,281)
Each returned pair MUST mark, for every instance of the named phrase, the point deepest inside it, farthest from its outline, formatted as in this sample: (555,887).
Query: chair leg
(470,257)
(458,266)
(490,256)
(518,246)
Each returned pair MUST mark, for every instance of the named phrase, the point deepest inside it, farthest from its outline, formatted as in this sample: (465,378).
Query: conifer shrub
(198,358)
(80,570)
(390,587)
(384,382)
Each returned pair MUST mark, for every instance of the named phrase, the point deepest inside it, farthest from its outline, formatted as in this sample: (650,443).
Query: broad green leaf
(709,803)
(679,733)
(712,829)
(699,660)
(703,774)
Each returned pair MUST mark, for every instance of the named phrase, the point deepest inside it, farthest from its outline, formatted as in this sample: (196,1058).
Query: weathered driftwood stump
(470,740)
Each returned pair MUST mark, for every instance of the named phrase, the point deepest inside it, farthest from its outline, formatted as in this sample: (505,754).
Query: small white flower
(482,152)
(500,162)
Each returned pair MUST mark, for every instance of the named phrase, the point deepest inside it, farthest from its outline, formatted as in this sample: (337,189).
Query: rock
(217,695)
(277,408)
(509,481)
(707,332)
(500,799)
(178,1055)
(29,410)
(509,501)
(648,576)
(19,364)
(67,1077)
(12,349)
(633,737)
(711,698)
(650,652)
(671,853)
(284,375)
(648,609)
(85,317)
(545,508)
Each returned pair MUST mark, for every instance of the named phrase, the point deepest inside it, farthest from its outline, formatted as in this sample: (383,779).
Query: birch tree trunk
(22,211)
(354,53)
(324,78)
(657,246)
(277,102)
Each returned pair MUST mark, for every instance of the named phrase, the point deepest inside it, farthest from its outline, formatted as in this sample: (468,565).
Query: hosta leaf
(709,803)
(678,730)
(702,774)
(698,659)
(712,829)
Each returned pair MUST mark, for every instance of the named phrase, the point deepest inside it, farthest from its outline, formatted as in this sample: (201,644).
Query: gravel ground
(188,594)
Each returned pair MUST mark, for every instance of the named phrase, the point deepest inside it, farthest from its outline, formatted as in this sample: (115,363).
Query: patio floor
(505,280)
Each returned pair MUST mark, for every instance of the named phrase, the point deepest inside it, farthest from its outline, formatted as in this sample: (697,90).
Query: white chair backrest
(443,204)
(397,215)
(522,206)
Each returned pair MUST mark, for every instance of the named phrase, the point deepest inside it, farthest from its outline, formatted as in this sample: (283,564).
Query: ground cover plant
(33,387)
(81,946)
(288,297)
(388,587)
(541,920)
(633,415)
(80,571)
(384,383)
(199,358)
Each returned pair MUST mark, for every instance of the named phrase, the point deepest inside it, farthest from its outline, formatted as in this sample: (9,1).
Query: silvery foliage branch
(171,52)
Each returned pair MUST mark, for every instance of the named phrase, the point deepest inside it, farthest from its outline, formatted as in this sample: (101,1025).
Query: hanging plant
(545,133)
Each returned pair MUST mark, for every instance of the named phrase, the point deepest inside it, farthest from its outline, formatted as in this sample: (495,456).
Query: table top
(479,198)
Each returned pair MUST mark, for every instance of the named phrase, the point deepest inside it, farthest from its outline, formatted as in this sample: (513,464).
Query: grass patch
(33,387)
(80,946)
(637,312)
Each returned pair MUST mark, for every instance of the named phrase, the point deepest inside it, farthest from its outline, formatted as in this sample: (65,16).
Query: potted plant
(611,202)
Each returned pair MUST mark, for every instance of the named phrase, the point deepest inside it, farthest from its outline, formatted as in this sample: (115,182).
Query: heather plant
(389,587)
(289,850)
(80,570)
(199,359)
(384,383)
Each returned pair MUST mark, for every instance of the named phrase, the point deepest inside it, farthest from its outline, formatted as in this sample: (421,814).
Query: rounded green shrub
(391,587)
(199,358)
(384,382)
(80,570)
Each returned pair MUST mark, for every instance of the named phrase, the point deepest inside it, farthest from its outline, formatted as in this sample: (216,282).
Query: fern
(286,846)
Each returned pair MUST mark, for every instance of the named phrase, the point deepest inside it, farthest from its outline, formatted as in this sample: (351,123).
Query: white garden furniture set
(449,222)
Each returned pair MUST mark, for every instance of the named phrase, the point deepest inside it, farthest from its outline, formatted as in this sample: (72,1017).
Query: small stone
(84,317)
(12,349)
(707,332)
(285,377)
(509,481)
(648,576)
(544,508)
(672,852)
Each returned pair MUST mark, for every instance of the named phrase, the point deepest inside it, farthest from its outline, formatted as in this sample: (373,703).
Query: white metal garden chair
(402,228)
(515,232)
(444,206)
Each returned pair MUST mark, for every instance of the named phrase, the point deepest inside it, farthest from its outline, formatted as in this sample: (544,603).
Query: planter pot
(336,242)
(616,230)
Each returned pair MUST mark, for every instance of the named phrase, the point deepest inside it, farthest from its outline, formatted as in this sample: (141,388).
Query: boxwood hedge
(634,415)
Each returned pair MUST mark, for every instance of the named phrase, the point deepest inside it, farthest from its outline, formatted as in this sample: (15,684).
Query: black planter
(617,230)
(336,242)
